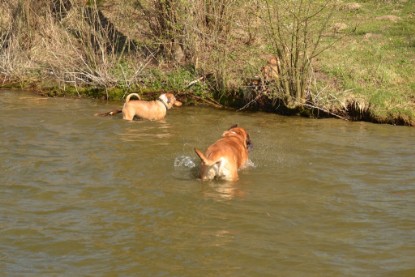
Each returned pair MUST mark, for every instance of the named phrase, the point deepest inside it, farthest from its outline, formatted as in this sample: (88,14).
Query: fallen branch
(249,103)
(326,111)
(194,82)
(208,101)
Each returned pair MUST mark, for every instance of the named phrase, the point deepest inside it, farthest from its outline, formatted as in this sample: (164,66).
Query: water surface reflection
(102,196)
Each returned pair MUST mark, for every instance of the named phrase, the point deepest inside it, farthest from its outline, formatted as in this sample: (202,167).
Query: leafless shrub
(209,35)
(76,43)
(297,30)
(65,41)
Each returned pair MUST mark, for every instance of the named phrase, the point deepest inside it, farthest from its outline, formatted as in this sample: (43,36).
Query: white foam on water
(184,161)
(249,164)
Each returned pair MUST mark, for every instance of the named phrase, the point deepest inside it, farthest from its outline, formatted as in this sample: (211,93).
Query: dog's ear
(233,126)
(170,97)
(248,142)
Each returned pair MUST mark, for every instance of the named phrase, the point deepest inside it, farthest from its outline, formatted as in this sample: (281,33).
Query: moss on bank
(235,101)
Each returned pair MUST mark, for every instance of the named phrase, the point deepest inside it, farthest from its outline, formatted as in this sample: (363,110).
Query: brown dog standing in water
(151,110)
(228,154)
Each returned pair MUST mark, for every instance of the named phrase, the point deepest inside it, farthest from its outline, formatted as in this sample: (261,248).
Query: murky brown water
(90,196)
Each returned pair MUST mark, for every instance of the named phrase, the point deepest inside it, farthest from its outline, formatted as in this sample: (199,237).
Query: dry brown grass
(76,50)
(167,44)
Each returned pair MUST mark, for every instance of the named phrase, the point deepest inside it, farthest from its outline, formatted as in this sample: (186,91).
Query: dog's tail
(117,111)
(127,99)
(113,112)
(205,160)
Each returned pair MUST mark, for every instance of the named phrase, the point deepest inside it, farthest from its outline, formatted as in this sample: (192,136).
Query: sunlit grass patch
(391,107)
(375,61)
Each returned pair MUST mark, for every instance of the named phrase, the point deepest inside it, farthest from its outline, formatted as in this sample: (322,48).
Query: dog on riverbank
(228,154)
(150,110)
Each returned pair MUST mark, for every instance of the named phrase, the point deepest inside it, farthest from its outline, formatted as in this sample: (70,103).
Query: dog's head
(234,130)
(169,99)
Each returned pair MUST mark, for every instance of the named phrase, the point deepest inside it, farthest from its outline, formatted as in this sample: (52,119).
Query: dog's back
(223,158)
(151,110)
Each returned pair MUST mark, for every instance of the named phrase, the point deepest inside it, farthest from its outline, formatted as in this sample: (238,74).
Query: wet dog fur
(228,154)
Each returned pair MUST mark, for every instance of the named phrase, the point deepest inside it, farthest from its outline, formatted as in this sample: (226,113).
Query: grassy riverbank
(373,67)
(215,52)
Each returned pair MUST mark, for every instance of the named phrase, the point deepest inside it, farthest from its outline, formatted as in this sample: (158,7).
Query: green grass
(376,58)
(371,68)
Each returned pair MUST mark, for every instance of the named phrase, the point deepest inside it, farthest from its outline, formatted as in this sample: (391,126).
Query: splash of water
(184,161)
(249,164)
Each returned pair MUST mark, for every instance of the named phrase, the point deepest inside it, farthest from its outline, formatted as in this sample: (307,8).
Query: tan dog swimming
(228,154)
(151,110)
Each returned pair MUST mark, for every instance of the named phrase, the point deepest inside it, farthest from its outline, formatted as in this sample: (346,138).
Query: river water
(82,195)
